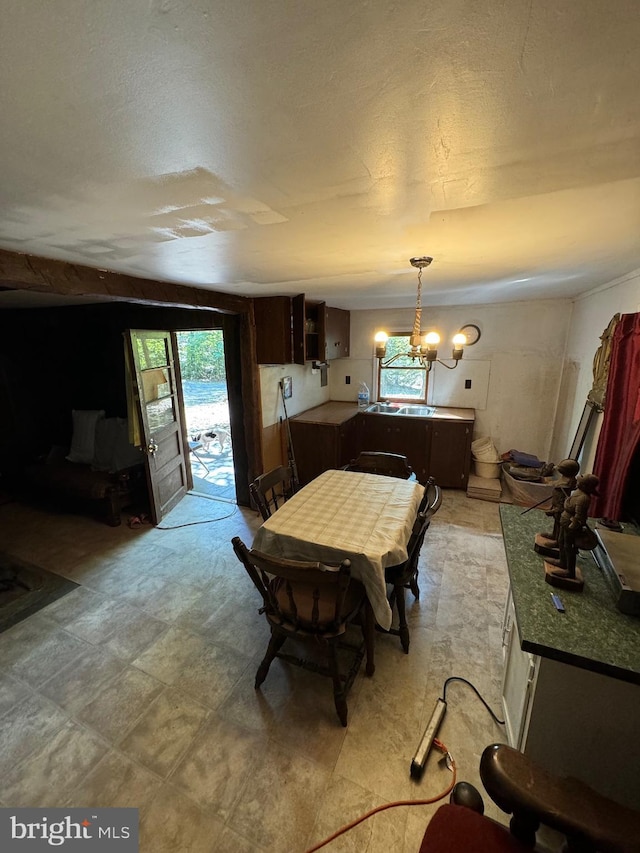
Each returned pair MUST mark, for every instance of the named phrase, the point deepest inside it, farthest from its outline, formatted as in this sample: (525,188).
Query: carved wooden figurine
(547,543)
(574,534)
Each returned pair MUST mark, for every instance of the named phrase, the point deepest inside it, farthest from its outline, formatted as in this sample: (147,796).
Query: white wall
(591,316)
(517,378)
(306,390)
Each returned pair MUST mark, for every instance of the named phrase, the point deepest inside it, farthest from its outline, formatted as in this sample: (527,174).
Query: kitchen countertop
(592,633)
(336,412)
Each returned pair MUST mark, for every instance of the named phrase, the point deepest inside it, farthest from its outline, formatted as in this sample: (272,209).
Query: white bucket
(484,450)
(487,470)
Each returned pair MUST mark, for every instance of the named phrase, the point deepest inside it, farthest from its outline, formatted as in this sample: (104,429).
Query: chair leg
(368,632)
(338,686)
(402,617)
(413,585)
(275,644)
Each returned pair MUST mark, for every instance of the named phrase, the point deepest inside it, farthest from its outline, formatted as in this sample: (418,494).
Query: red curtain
(620,434)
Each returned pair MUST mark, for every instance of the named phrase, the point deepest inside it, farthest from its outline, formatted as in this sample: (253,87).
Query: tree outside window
(402,380)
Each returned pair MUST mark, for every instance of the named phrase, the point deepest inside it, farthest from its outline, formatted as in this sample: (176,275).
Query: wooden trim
(44,275)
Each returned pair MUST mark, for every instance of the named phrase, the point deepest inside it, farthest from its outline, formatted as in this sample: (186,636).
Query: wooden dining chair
(314,603)
(378,462)
(405,575)
(269,491)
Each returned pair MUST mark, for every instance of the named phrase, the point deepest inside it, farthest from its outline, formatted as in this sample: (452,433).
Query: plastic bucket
(484,450)
(487,470)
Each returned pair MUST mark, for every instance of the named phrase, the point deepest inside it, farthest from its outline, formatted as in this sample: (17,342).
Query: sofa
(100,472)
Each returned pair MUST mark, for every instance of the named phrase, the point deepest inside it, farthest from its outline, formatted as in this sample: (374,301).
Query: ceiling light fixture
(424,350)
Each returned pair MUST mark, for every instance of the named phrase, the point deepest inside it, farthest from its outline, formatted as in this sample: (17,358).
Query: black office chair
(405,575)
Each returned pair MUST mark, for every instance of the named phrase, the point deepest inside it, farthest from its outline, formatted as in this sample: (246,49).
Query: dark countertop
(337,412)
(592,633)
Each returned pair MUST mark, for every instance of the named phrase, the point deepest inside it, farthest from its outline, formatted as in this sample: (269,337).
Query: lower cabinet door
(450,454)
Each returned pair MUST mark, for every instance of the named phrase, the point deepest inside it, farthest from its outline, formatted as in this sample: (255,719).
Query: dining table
(365,518)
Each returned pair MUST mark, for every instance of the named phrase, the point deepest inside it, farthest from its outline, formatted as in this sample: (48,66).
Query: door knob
(152,447)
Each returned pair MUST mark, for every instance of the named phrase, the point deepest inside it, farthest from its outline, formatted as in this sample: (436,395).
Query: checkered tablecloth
(344,514)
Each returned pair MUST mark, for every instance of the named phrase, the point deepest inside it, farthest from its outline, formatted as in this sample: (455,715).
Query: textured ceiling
(278,146)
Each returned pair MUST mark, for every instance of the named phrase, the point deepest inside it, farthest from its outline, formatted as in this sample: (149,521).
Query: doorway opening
(206,407)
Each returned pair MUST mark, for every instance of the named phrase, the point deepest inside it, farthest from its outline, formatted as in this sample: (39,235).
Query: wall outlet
(467,383)
(347,380)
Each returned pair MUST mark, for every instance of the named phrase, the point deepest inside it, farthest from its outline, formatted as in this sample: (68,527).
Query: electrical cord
(450,764)
(438,745)
(475,690)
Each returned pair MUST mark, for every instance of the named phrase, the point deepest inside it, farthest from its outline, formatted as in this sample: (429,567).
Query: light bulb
(382,337)
(432,339)
(459,340)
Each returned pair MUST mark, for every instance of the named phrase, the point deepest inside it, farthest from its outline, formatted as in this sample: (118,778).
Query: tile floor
(136,689)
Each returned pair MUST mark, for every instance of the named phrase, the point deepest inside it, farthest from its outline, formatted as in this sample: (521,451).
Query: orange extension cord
(364,817)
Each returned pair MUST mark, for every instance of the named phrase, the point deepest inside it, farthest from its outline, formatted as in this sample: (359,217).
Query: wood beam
(44,275)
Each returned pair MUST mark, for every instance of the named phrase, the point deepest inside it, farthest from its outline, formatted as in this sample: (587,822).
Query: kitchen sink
(417,411)
(384,408)
(412,410)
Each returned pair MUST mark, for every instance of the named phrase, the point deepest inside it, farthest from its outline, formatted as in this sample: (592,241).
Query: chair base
(341,682)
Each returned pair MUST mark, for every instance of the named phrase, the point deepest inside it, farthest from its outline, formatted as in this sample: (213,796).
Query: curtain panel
(620,433)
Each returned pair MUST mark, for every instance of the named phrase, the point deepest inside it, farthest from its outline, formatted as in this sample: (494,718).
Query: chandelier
(424,350)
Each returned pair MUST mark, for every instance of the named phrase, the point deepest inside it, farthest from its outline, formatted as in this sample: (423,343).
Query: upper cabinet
(336,330)
(292,330)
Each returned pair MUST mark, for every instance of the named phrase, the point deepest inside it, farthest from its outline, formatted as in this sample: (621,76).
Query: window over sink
(402,380)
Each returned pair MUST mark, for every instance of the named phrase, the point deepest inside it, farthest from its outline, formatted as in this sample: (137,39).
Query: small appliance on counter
(618,555)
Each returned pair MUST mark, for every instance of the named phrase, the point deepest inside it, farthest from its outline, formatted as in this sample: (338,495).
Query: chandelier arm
(448,366)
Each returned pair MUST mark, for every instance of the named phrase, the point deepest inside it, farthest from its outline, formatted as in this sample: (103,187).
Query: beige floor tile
(219,765)
(166,657)
(210,676)
(343,802)
(49,774)
(116,781)
(83,679)
(264,815)
(27,727)
(117,707)
(269,770)
(177,718)
(174,824)
(38,658)
(136,636)
(11,692)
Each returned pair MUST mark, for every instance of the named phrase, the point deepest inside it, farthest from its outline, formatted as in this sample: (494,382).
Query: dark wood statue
(574,534)
(547,543)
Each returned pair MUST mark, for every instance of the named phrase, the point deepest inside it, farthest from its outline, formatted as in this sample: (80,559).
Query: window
(402,380)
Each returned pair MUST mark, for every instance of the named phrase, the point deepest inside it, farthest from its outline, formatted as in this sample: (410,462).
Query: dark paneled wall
(54,360)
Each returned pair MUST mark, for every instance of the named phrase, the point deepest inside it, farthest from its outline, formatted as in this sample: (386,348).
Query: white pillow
(83,441)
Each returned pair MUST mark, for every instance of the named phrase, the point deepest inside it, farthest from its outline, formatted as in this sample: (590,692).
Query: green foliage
(402,381)
(202,356)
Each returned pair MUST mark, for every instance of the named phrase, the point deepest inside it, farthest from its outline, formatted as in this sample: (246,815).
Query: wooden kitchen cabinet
(280,325)
(450,457)
(337,330)
(391,434)
(324,438)
(333,434)
(293,330)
